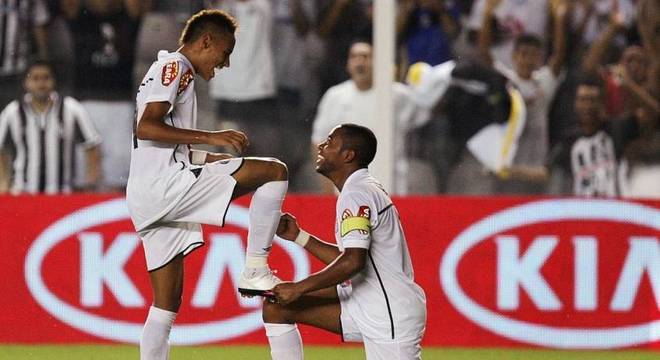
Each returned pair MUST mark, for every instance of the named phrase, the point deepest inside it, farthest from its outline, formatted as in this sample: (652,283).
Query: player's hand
(288,228)
(286,292)
(232,138)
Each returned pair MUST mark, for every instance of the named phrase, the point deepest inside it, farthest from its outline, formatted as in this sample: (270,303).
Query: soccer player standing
(172,189)
(367,292)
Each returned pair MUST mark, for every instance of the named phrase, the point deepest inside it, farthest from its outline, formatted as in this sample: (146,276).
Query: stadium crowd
(587,71)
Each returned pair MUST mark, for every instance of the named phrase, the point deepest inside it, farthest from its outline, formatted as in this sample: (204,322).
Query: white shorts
(206,202)
(375,349)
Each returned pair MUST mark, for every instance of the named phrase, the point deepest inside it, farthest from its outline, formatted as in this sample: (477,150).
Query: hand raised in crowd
(491,5)
(560,8)
(288,227)
(236,140)
(617,19)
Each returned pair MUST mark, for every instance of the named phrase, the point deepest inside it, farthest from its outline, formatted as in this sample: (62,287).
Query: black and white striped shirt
(43,143)
(17,18)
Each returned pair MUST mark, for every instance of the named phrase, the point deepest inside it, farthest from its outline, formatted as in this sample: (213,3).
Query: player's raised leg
(268,178)
(320,309)
(167,285)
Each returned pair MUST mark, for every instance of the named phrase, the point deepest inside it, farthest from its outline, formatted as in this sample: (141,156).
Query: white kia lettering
(97,268)
(226,251)
(513,271)
(586,272)
(111,273)
(643,257)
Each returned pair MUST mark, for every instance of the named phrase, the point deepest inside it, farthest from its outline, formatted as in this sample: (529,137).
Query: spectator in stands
(475,125)
(296,75)
(354,101)
(628,85)
(22,29)
(104,34)
(44,129)
(591,17)
(506,20)
(426,29)
(589,154)
(245,92)
(339,23)
(537,82)
(640,173)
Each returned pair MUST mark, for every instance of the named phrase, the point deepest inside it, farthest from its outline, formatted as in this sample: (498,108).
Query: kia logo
(523,272)
(121,330)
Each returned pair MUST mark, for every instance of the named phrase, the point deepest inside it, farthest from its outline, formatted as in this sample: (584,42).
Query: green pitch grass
(122,352)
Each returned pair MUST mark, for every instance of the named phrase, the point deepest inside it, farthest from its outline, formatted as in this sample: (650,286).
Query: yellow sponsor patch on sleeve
(355,223)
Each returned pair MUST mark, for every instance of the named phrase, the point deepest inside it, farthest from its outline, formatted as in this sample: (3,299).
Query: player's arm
(486,33)
(288,229)
(558,57)
(349,263)
(591,62)
(93,168)
(152,127)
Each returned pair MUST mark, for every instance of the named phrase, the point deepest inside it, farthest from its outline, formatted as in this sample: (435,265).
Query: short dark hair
(361,40)
(592,80)
(528,40)
(361,140)
(207,20)
(38,63)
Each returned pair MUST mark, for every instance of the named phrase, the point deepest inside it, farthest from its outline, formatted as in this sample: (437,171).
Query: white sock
(265,212)
(285,342)
(154,343)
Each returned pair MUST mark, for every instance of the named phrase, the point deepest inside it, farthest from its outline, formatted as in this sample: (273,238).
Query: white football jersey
(385,302)
(160,173)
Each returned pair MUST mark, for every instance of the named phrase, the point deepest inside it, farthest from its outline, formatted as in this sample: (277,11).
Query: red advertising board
(500,271)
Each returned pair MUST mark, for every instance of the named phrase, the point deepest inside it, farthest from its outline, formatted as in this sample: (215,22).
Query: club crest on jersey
(361,222)
(186,79)
(170,71)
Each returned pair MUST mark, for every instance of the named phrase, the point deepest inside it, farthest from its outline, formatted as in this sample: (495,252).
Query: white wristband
(302,238)
(198,157)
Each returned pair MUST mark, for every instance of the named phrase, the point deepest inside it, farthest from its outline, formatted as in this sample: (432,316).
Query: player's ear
(207,40)
(349,155)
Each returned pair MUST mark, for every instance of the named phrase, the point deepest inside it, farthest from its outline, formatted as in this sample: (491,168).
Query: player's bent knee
(274,313)
(281,171)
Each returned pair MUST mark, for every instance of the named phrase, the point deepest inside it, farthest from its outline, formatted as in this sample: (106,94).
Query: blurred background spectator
(104,34)
(290,52)
(43,128)
(537,81)
(339,23)
(245,93)
(353,101)
(297,54)
(22,39)
(426,29)
(506,20)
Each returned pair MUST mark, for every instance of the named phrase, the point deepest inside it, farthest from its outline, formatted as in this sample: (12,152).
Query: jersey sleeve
(356,220)
(168,81)
(4,126)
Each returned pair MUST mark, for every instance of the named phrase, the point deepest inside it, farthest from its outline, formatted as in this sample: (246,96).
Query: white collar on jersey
(359,173)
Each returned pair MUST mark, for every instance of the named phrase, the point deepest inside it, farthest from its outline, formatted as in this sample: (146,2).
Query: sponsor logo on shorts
(535,273)
(169,73)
